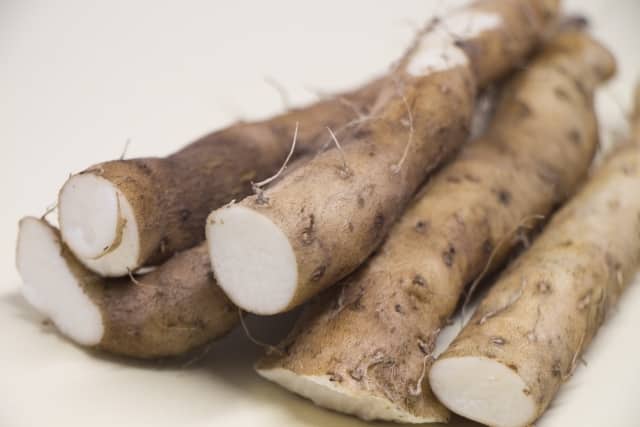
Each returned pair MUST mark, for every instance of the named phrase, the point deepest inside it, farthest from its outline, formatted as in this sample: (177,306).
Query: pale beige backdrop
(78,78)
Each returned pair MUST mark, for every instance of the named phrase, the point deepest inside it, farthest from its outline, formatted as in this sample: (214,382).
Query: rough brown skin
(167,312)
(171,197)
(372,191)
(392,309)
(573,274)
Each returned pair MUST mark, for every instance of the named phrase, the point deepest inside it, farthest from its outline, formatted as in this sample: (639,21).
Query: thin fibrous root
(270,349)
(345,170)
(514,298)
(408,123)
(516,231)
(52,207)
(257,186)
(125,149)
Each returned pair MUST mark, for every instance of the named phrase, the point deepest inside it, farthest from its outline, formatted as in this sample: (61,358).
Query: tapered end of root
(98,225)
(252,259)
(483,390)
(329,394)
(52,287)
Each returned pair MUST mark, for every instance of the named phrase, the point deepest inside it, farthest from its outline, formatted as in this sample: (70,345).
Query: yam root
(123,214)
(366,348)
(507,364)
(167,312)
(275,250)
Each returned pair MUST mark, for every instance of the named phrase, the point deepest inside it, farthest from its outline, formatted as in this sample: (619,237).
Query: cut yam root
(174,309)
(120,215)
(507,364)
(277,249)
(366,348)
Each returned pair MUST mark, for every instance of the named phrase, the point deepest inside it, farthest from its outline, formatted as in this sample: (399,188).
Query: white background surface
(77,78)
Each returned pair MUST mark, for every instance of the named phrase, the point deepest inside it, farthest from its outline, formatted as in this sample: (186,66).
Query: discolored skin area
(377,333)
(167,312)
(367,183)
(565,284)
(171,197)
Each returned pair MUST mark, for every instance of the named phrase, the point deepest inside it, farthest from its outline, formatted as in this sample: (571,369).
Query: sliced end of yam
(483,390)
(98,225)
(329,394)
(51,286)
(252,259)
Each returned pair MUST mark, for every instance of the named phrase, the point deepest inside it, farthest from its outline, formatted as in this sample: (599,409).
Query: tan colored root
(282,92)
(51,208)
(345,167)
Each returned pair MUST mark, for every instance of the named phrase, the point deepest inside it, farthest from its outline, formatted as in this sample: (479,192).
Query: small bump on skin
(422,226)
(419,280)
(497,341)
(544,287)
(575,137)
(398,309)
(318,273)
(449,255)
(185,214)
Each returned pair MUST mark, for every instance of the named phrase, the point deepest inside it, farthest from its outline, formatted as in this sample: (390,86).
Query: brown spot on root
(556,369)
(318,273)
(522,110)
(453,179)
(185,214)
(448,256)
(504,196)
(399,309)
(544,287)
(419,280)
(335,377)
(487,246)
(575,136)
(561,94)
(471,178)
(422,226)
(378,223)
(513,367)
(360,201)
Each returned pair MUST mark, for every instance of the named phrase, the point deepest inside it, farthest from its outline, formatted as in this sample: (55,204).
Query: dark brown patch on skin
(419,280)
(544,287)
(487,247)
(398,309)
(453,179)
(318,273)
(561,94)
(378,222)
(575,136)
(504,196)
(526,392)
(449,255)
(422,226)
(334,377)
(360,201)
(523,110)
(350,227)
(566,243)
(184,214)
(513,367)
(471,178)
(363,133)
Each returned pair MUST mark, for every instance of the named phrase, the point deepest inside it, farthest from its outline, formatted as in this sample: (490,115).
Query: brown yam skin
(167,312)
(567,281)
(495,52)
(171,197)
(391,310)
(368,193)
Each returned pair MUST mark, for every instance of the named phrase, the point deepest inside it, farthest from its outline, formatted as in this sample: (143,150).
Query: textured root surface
(483,390)
(51,286)
(253,258)
(324,391)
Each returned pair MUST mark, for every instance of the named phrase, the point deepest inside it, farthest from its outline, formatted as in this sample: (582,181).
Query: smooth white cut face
(50,286)
(252,259)
(483,390)
(89,215)
(90,208)
(328,394)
